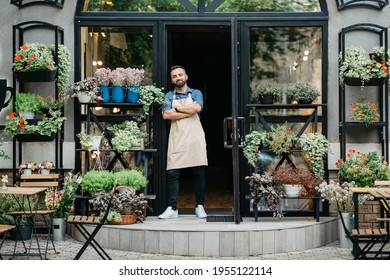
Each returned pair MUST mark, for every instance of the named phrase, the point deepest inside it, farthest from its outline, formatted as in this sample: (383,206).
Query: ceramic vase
(118,94)
(133,94)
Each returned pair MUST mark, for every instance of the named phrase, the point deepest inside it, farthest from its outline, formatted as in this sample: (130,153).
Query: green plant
(302,91)
(53,103)
(364,111)
(253,141)
(356,65)
(87,86)
(150,95)
(62,200)
(94,181)
(130,178)
(38,56)
(11,203)
(47,126)
(266,88)
(125,203)
(262,186)
(87,140)
(363,169)
(28,102)
(340,197)
(281,139)
(315,147)
(126,135)
(3,155)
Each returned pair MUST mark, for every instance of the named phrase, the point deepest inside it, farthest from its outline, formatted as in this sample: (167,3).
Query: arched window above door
(203,6)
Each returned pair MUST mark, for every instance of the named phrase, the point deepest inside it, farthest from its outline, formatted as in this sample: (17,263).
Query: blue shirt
(196,96)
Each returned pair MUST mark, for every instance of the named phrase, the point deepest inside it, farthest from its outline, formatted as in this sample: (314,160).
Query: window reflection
(286,55)
(268,6)
(137,5)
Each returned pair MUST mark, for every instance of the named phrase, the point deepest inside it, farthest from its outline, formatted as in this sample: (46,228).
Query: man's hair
(176,67)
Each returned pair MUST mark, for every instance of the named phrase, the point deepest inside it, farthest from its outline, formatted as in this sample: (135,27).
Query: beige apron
(187,143)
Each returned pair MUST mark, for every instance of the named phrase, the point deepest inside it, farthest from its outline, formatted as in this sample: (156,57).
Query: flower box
(35,76)
(357,82)
(126,220)
(34,137)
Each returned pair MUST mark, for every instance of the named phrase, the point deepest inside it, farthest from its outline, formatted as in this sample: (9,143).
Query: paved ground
(69,248)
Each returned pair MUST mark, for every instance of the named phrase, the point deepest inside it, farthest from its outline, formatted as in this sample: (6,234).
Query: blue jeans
(173,176)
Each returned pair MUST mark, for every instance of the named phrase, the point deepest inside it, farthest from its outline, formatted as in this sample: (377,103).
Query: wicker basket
(126,220)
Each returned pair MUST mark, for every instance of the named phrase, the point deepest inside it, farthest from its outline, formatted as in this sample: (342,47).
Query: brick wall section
(368,213)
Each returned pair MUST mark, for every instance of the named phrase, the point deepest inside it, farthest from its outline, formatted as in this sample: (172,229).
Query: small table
(26,192)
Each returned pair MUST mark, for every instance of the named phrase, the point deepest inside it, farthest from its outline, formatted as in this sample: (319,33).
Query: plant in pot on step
(45,166)
(103,78)
(263,187)
(27,167)
(127,136)
(127,207)
(302,92)
(28,104)
(62,202)
(97,180)
(149,95)
(266,92)
(133,79)
(85,90)
(291,178)
(117,80)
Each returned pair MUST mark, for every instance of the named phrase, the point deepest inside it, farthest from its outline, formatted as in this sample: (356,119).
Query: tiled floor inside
(67,250)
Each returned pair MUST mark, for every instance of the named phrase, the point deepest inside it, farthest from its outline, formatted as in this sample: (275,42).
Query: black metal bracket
(25,3)
(372,4)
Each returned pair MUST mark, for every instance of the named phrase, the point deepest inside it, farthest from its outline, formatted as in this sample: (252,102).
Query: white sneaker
(169,213)
(199,211)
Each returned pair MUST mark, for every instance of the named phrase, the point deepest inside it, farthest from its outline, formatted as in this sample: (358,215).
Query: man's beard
(180,84)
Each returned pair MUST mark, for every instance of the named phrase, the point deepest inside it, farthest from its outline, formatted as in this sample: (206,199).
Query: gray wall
(10,15)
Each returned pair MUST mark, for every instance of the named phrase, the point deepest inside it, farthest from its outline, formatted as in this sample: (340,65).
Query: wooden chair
(363,241)
(3,230)
(80,221)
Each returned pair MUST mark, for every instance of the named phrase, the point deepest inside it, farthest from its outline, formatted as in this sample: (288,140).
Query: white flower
(4,178)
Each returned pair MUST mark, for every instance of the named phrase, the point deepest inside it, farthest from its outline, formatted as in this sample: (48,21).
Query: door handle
(230,127)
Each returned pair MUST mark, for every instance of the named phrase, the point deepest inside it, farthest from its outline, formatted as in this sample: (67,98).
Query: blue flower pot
(105,90)
(118,94)
(133,94)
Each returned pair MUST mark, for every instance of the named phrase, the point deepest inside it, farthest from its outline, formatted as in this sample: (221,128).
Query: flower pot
(26,171)
(344,242)
(23,232)
(35,76)
(27,115)
(34,137)
(292,190)
(118,94)
(266,99)
(44,171)
(105,93)
(304,102)
(84,98)
(96,140)
(59,229)
(126,220)
(133,94)
(357,82)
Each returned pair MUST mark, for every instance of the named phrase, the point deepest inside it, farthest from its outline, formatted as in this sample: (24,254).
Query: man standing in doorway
(187,143)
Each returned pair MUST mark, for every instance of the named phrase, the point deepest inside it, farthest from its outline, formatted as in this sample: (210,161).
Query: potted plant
(315,147)
(253,142)
(291,178)
(358,69)
(34,62)
(45,166)
(131,178)
(266,92)
(281,139)
(85,90)
(302,92)
(133,79)
(51,103)
(127,207)
(96,180)
(149,95)
(262,186)
(23,130)
(363,168)
(90,141)
(364,111)
(127,136)
(26,167)
(117,79)
(28,104)
(103,78)
(62,202)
